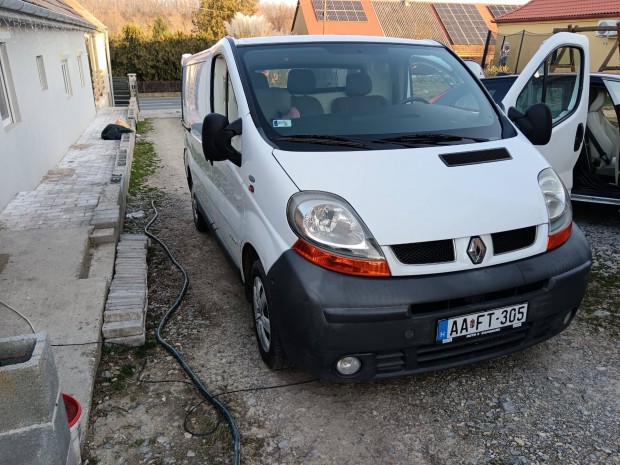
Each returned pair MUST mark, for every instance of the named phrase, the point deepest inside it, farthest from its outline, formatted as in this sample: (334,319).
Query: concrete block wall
(109,215)
(33,422)
(125,312)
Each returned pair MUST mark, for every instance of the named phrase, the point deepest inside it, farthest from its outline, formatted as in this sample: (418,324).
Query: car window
(498,87)
(555,83)
(614,89)
(429,80)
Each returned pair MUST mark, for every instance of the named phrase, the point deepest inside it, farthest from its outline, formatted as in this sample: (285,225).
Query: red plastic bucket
(74,415)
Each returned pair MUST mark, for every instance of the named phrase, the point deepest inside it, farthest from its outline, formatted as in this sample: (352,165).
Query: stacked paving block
(107,221)
(125,312)
(33,424)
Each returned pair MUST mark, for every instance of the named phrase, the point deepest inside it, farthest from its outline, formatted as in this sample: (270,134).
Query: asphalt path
(160,103)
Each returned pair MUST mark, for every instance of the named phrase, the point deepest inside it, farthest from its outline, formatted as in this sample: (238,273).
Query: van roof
(301,39)
(308,39)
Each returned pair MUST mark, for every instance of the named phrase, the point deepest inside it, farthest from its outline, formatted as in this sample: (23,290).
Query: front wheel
(267,335)
(199,219)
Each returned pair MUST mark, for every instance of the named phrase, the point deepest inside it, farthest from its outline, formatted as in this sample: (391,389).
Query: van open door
(559,76)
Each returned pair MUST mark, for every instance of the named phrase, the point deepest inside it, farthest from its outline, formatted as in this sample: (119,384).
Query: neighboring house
(46,90)
(526,27)
(461,26)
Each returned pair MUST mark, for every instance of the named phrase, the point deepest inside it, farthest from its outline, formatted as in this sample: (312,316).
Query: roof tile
(548,10)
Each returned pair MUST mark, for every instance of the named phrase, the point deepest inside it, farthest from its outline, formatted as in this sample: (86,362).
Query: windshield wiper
(429,139)
(322,139)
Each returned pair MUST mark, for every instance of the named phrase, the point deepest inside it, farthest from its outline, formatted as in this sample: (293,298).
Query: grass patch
(602,295)
(144,126)
(144,164)
(146,348)
(126,372)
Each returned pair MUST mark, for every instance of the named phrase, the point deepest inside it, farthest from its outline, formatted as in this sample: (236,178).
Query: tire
(199,219)
(267,336)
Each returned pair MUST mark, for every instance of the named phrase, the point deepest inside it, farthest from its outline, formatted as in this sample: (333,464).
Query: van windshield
(365,95)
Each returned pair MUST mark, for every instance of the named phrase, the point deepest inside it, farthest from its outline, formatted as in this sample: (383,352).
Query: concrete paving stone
(110,316)
(130,270)
(131,341)
(134,280)
(130,274)
(103,236)
(130,267)
(124,307)
(125,301)
(136,261)
(122,328)
(131,254)
(121,296)
(133,237)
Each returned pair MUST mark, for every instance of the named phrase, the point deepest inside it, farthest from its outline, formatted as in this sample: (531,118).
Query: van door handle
(578,137)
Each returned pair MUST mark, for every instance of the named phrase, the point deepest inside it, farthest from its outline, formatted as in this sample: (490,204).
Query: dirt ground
(555,403)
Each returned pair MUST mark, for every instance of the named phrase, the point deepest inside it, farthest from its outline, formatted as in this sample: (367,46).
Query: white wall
(49,121)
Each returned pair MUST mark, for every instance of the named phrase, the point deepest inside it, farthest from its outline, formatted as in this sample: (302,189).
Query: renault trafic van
(385,215)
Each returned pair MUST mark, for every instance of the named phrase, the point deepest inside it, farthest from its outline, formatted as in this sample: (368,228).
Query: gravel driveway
(555,403)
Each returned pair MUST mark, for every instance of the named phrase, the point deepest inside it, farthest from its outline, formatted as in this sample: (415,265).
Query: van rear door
(558,75)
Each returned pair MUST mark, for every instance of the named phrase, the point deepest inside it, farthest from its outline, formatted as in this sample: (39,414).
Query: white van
(385,215)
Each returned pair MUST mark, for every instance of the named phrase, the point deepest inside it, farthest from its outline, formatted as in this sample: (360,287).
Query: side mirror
(536,124)
(216,136)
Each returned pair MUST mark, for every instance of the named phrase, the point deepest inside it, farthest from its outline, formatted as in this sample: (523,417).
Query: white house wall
(49,121)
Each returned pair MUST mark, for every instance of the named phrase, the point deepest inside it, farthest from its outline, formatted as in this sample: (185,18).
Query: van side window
(556,83)
(223,98)
(220,85)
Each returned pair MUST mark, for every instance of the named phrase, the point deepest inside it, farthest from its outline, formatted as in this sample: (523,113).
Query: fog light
(568,316)
(348,365)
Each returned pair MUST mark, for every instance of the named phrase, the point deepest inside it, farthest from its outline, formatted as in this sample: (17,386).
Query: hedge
(153,59)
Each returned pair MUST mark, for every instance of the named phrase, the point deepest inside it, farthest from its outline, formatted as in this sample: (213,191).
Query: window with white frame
(67,78)
(80,69)
(42,75)
(6,111)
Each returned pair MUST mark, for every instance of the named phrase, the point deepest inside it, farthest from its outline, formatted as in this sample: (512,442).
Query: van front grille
(509,241)
(435,355)
(441,305)
(390,362)
(424,253)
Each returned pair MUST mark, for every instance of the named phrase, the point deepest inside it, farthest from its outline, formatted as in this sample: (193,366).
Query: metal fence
(146,87)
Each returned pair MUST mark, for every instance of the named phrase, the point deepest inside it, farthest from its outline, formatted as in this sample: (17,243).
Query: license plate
(478,324)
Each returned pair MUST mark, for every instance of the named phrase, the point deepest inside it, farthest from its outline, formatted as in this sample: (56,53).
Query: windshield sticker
(282,123)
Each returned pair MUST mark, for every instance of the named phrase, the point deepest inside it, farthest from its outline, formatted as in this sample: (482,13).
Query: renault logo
(476,250)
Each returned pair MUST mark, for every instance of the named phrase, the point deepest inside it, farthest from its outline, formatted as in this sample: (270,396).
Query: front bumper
(390,323)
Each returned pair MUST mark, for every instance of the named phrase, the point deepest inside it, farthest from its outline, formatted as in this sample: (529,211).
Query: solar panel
(339,10)
(498,10)
(464,23)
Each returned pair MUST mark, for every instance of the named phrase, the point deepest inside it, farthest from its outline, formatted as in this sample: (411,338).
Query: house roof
(550,10)
(344,17)
(414,21)
(87,15)
(55,11)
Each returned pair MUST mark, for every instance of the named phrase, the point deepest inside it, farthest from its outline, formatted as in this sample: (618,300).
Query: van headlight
(559,208)
(333,236)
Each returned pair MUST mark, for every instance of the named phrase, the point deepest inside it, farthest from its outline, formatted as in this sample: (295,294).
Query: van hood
(411,195)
